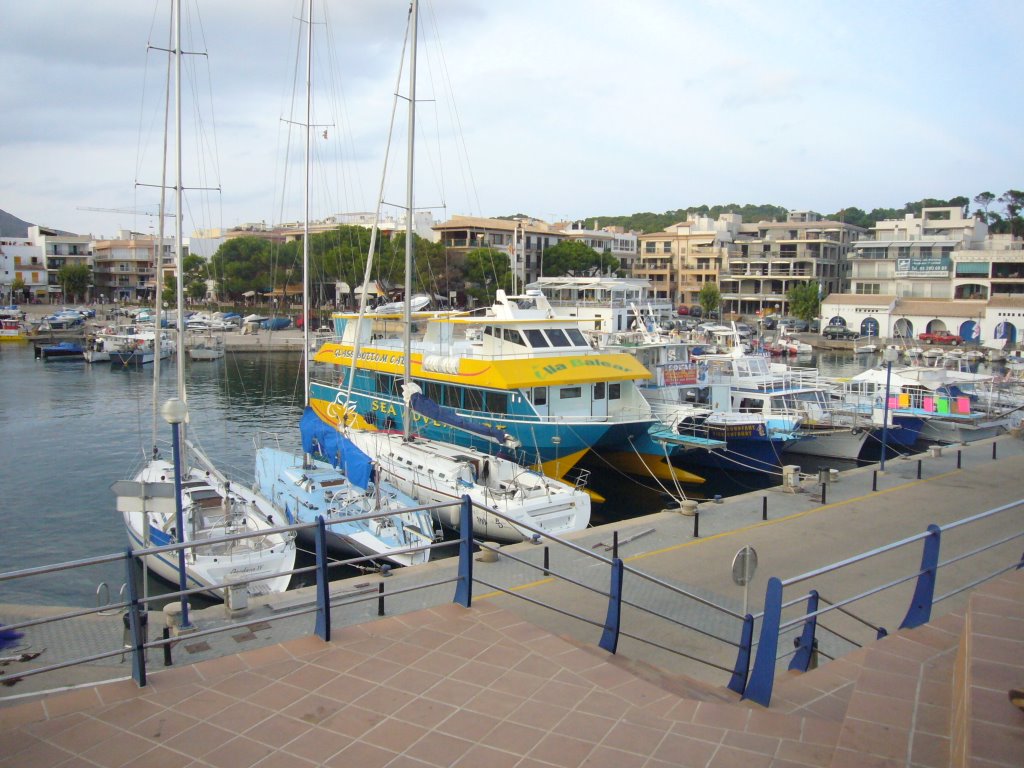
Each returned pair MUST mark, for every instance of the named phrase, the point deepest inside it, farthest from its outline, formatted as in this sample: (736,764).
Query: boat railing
(797,620)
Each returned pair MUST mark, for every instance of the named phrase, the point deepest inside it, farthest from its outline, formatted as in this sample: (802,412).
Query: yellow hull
(650,464)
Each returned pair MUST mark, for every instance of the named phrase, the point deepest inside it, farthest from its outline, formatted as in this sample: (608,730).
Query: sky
(558,109)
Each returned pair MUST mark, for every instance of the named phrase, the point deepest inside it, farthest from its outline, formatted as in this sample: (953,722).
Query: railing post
(764,507)
(738,682)
(918,469)
(920,611)
(801,660)
(323,585)
(135,623)
(464,586)
(610,636)
(762,677)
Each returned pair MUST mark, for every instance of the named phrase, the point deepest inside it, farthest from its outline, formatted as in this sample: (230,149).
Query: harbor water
(71,429)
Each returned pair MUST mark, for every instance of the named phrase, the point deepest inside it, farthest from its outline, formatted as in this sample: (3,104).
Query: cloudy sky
(554,108)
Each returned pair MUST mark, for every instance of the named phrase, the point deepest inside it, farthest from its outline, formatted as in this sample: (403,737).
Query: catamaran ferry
(516,376)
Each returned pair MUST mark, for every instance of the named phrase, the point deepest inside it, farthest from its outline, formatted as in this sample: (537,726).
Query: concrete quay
(509,683)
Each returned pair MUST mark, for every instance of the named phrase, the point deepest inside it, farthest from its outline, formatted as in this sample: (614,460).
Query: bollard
(696,524)
(993,451)
(958,458)
(167,647)
(824,499)
(874,480)
(764,507)
(380,598)
(918,469)
(615,544)
(547,562)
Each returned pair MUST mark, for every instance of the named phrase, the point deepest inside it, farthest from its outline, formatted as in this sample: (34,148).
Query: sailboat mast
(178,213)
(407,314)
(305,218)
(158,289)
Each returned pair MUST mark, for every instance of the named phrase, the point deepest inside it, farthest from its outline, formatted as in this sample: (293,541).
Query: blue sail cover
(424,405)
(320,439)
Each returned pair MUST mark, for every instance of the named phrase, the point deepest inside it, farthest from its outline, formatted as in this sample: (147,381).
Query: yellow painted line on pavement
(736,531)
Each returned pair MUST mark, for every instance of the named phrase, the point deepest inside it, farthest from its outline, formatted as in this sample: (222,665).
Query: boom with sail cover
(422,404)
(320,439)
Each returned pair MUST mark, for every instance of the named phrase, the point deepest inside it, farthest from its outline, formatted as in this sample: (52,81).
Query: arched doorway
(1008,331)
(970,331)
(837,320)
(935,326)
(903,328)
(869,327)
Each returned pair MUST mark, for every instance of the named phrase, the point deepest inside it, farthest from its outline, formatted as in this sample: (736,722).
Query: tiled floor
(455,687)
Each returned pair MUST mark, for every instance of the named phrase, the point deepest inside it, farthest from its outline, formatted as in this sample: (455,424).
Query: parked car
(815,325)
(940,337)
(696,311)
(683,310)
(793,325)
(769,323)
(839,332)
(744,330)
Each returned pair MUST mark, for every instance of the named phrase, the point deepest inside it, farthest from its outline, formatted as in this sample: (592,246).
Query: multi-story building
(522,240)
(769,258)
(124,268)
(680,260)
(22,263)
(62,249)
(615,241)
(937,271)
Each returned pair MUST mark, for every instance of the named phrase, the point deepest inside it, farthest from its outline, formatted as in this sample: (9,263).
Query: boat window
(453,396)
(536,338)
(384,383)
(497,402)
(489,331)
(558,337)
(599,388)
(540,395)
(577,337)
(614,391)
(751,405)
(474,400)
(433,391)
(512,335)
(568,393)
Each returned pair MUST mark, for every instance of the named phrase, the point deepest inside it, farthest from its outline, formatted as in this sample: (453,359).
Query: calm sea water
(69,429)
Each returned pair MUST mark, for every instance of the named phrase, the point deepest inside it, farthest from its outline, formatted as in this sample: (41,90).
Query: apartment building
(523,241)
(615,241)
(769,258)
(61,249)
(124,268)
(679,261)
(22,263)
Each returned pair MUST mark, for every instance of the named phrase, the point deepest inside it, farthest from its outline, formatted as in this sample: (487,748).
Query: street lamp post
(174,412)
(889,354)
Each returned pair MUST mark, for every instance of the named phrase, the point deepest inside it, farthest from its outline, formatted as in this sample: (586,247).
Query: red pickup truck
(940,337)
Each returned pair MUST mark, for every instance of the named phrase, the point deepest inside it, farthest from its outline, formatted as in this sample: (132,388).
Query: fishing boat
(12,329)
(62,350)
(427,418)
(206,347)
(343,486)
(134,350)
(186,499)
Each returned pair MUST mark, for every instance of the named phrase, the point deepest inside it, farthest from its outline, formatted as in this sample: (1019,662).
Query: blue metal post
(464,585)
(179,522)
(920,611)
(738,682)
(885,413)
(801,660)
(323,585)
(610,636)
(762,677)
(135,623)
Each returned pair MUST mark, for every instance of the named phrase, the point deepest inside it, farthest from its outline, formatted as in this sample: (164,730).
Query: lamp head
(174,411)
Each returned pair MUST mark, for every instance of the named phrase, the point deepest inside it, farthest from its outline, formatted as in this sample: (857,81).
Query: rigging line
(464,155)
(649,471)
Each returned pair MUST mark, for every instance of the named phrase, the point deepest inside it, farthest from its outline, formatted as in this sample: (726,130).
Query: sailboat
(344,490)
(434,471)
(211,505)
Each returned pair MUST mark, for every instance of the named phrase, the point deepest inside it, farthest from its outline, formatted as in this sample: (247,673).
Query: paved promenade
(506,682)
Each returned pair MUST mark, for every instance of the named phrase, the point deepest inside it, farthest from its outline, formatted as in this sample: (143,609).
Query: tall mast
(305,221)
(407,313)
(178,214)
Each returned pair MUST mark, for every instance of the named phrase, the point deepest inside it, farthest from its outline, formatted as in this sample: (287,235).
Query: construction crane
(132,211)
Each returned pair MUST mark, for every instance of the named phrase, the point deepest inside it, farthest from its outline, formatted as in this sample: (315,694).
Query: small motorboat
(63,350)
